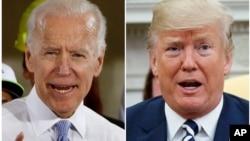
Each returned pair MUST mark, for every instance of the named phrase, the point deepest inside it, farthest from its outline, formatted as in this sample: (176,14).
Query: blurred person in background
(11,89)
(151,87)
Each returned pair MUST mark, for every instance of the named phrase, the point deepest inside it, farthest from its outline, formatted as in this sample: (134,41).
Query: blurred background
(138,17)
(111,81)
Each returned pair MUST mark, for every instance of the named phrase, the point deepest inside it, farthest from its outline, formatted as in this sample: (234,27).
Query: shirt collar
(174,121)
(78,119)
(208,122)
(42,118)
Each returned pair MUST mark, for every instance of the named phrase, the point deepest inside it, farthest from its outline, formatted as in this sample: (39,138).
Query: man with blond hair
(190,49)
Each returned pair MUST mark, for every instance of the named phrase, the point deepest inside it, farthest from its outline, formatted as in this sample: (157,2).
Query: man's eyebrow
(172,40)
(203,36)
(49,48)
(203,39)
(81,51)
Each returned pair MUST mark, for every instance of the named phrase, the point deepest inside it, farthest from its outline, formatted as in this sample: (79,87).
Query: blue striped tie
(191,129)
(62,130)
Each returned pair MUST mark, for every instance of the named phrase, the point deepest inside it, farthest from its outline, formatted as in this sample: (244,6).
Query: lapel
(232,113)
(154,124)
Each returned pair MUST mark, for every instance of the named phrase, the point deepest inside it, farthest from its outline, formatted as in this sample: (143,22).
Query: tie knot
(191,127)
(62,127)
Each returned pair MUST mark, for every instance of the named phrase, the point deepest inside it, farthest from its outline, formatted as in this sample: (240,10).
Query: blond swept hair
(190,14)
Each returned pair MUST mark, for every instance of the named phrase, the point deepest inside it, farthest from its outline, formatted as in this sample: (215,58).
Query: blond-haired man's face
(190,66)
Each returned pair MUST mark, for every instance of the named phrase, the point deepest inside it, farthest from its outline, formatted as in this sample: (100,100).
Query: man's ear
(153,62)
(228,62)
(29,60)
(99,63)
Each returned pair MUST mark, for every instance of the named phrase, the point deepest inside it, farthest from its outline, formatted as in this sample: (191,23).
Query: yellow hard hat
(22,34)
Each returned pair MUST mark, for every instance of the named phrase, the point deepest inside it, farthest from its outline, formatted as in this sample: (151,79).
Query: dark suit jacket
(146,121)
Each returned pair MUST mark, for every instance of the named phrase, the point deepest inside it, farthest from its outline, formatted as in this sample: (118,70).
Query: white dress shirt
(207,124)
(32,117)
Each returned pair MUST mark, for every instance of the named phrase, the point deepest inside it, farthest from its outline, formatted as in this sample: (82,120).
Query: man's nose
(189,61)
(63,66)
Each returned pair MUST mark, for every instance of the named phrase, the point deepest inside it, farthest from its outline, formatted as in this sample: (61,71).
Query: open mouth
(190,84)
(62,89)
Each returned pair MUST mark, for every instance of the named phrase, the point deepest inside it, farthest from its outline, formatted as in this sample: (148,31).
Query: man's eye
(50,53)
(78,55)
(173,51)
(204,49)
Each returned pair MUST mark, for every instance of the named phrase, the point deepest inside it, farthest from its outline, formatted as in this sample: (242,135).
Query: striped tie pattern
(191,129)
(62,130)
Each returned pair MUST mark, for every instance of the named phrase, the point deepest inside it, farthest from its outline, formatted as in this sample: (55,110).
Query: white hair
(190,14)
(75,8)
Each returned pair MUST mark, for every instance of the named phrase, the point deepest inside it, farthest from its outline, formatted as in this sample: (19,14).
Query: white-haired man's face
(65,62)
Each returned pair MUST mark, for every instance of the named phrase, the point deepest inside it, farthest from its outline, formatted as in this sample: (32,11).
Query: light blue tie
(62,130)
(191,129)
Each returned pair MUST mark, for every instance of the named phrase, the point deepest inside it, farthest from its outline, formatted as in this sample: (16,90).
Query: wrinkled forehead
(67,27)
(87,21)
(211,32)
(68,31)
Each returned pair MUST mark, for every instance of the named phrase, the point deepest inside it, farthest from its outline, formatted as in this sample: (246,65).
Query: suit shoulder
(145,108)
(236,100)
(236,108)
(145,104)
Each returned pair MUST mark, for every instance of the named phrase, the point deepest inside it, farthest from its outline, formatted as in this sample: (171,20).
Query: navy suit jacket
(146,121)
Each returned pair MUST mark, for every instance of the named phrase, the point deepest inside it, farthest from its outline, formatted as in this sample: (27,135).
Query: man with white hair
(65,51)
